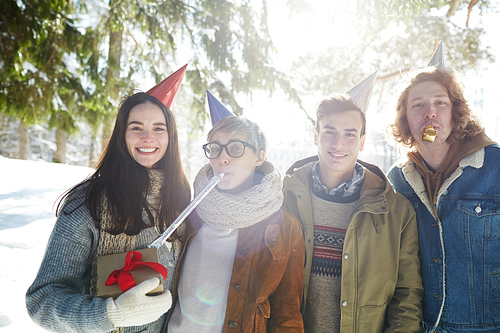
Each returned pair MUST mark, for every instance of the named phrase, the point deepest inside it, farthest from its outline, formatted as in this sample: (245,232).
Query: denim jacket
(460,249)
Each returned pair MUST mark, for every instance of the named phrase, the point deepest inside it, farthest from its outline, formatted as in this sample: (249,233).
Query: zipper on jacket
(434,211)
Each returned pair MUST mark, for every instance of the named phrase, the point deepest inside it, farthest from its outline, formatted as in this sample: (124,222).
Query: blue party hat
(217,109)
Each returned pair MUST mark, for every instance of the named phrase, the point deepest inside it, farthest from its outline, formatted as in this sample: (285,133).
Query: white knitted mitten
(134,308)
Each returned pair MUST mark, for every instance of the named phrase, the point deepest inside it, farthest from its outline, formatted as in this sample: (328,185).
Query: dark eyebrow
(139,123)
(333,128)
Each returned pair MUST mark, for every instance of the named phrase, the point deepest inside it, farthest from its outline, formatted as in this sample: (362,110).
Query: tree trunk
(3,130)
(92,148)
(115,53)
(60,155)
(24,141)
(112,77)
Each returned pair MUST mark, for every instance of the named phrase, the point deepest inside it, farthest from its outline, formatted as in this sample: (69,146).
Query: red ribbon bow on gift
(124,277)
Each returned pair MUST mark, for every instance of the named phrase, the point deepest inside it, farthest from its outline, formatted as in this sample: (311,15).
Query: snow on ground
(28,190)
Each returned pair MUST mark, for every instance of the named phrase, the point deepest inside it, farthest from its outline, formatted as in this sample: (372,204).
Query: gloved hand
(134,308)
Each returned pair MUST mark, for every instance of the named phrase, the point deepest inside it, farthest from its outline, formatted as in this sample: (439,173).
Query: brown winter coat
(266,288)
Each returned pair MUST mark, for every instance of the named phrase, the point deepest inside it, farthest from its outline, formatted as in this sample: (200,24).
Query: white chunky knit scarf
(229,211)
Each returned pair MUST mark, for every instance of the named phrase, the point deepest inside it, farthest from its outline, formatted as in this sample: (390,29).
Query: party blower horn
(185,213)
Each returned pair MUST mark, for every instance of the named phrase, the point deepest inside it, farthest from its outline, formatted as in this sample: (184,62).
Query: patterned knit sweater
(322,312)
(59,299)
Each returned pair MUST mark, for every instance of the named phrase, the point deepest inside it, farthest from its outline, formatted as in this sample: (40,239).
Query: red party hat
(166,90)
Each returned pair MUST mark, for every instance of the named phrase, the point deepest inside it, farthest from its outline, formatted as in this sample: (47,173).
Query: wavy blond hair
(465,122)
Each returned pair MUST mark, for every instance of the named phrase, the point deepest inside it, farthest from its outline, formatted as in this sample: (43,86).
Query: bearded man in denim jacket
(452,182)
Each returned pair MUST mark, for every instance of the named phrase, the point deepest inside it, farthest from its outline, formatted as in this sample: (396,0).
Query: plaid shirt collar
(346,189)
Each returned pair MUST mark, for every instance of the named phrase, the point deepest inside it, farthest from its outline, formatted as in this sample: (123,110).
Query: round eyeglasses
(234,149)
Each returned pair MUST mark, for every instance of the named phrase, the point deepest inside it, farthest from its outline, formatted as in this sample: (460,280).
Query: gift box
(117,273)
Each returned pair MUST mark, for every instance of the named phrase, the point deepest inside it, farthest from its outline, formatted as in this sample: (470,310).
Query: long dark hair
(125,183)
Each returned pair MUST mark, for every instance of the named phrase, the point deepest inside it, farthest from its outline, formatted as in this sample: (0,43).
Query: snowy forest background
(65,65)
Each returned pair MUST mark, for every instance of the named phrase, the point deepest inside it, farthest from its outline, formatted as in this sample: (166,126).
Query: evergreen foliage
(63,62)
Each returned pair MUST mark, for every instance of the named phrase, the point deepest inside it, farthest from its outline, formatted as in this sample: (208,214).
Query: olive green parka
(381,284)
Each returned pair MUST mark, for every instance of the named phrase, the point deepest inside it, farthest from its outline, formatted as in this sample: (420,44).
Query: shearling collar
(413,177)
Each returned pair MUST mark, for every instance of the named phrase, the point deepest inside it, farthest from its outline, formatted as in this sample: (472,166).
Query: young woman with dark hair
(136,192)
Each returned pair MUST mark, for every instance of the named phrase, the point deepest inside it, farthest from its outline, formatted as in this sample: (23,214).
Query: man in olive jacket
(362,267)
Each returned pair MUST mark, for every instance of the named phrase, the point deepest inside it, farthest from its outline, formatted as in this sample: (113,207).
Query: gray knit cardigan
(59,299)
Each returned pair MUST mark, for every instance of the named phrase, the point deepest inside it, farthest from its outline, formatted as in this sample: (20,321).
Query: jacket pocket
(372,318)
(274,242)
(496,284)
(263,312)
(480,218)
(493,303)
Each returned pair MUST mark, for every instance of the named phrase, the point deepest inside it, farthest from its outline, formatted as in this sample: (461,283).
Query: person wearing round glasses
(242,267)
(235,160)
